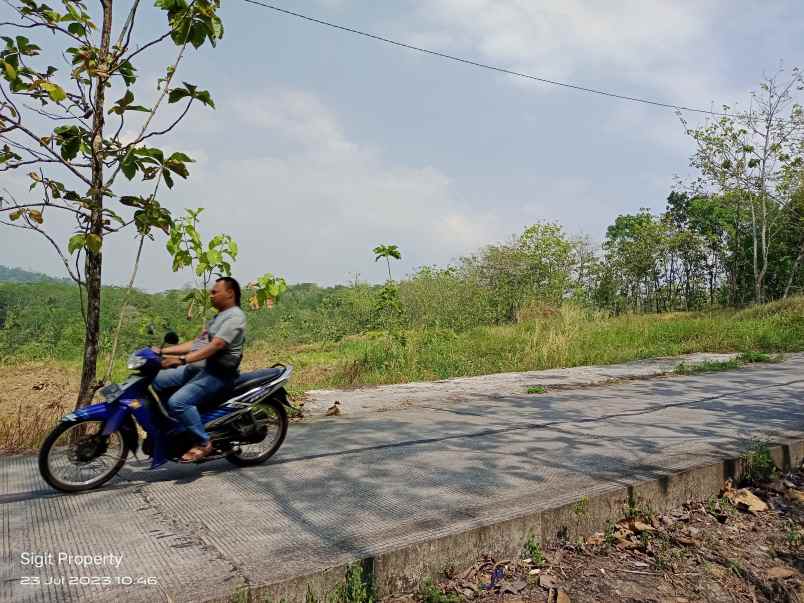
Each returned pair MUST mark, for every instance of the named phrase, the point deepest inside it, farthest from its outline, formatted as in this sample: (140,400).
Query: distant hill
(18,275)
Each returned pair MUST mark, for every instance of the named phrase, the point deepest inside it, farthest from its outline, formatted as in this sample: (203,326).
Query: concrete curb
(380,398)
(401,570)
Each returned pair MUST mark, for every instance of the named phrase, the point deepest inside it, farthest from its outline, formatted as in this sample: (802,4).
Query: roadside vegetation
(719,270)
(743,545)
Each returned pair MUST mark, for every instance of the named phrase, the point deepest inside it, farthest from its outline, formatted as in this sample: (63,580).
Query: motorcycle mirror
(171,338)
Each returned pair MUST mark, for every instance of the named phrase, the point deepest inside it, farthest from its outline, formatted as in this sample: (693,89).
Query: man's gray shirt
(229,325)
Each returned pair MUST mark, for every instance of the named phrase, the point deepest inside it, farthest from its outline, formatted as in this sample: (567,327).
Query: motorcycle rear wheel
(90,460)
(273,414)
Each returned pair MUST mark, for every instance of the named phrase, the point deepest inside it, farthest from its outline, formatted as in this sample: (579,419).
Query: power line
(484,65)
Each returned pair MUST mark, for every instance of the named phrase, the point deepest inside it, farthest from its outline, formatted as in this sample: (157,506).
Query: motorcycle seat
(247,381)
(242,384)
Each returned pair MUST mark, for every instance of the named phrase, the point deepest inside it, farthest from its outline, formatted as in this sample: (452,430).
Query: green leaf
(129,165)
(178,168)
(180,157)
(70,148)
(198,33)
(126,71)
(94,242)
(177,94)
(168,178)
(77,29)
(214,257)
(205,98)
(132,201)
(170,5)
(54,91)
(128,97)
(11,73)
(76,243)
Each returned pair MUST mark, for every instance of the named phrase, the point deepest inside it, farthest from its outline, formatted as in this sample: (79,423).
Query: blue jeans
(196,386)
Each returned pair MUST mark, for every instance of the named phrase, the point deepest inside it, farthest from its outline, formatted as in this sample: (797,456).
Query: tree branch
(55,117)
(64,260)
(127,26)
(173,125)
(139,138)
(18,126)
(148,45)
(35,23)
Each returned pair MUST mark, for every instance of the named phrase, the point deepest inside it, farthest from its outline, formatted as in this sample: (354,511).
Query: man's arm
(175,350)
(212,348)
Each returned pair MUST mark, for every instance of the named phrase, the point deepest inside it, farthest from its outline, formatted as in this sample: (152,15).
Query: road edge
(402,570)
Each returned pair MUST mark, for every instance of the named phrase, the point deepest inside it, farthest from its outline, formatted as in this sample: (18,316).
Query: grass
(568,336)
(757,464)
(725,365)
(537,389)
(27,427)
(573,337)
(430,593)
(533,551)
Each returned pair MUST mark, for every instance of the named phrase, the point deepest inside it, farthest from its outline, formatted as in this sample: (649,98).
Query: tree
(537,265)
(755,158)
(53,124)
(387,252)
(636,246)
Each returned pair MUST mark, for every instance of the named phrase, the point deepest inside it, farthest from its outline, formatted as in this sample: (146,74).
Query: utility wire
(485,66)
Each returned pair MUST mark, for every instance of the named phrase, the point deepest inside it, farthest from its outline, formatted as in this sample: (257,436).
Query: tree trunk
(793,271)
(755,257)
(94,260)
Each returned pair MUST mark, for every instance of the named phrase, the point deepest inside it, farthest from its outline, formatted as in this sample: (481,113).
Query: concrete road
(343,488)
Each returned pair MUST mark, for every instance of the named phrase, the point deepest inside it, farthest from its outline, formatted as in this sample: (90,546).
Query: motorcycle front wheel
(274,417)
(76,457)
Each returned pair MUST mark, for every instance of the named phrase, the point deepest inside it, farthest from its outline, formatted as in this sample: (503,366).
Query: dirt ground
(37,385)
(728,549)
(33,397)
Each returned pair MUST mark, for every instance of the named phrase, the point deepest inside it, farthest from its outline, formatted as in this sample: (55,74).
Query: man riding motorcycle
(203,368)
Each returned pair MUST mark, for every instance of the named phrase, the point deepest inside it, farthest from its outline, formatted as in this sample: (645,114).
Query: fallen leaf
(547,582)
(638,527)
(596,539)
(513,588)
(780,573)
(745,499)
(796,496)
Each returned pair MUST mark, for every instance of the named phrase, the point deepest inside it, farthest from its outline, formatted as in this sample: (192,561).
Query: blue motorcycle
(246,425)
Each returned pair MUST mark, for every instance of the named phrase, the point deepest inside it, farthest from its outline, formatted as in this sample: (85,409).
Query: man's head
(225,293)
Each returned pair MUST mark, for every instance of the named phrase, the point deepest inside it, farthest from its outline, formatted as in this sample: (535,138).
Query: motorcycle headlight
(135,362)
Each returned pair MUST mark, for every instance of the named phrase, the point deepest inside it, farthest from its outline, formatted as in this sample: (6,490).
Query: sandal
(196,453)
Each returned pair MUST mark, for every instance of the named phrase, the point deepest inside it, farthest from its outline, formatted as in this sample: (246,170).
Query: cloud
(313,201)
(644,41)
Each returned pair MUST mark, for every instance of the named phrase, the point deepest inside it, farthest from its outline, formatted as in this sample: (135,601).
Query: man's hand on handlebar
(171,361)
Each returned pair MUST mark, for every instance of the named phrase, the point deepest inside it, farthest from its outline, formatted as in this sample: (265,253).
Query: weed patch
(757,463)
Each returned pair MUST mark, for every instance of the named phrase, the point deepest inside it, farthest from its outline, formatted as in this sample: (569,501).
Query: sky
(324,144)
